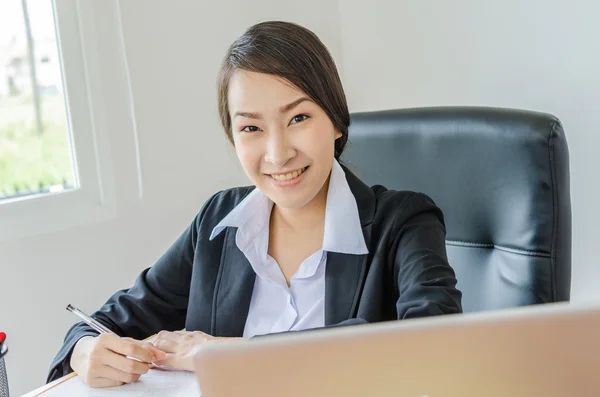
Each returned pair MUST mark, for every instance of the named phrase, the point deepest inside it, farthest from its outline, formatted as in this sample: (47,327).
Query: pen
(96,325)
(2,339)
(89,321)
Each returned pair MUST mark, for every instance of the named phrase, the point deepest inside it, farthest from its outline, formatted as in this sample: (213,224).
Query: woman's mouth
(289,176)
(289,179)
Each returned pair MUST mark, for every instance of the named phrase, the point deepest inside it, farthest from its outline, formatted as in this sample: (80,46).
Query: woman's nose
(279,150)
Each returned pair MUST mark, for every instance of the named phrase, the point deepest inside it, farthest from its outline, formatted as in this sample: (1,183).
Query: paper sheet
(157,382)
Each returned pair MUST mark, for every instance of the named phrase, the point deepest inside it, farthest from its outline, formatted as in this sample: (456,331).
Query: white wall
(174,50)
(541,55)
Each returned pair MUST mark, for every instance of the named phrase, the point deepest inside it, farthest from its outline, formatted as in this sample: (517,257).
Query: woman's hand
(181,347)
(105,360)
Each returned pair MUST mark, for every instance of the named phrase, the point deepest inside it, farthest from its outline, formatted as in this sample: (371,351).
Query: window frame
(92,198)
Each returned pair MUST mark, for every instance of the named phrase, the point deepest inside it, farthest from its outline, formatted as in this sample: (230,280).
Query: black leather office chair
(500,176)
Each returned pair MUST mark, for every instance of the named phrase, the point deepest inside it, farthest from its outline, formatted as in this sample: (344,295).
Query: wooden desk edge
(41,390)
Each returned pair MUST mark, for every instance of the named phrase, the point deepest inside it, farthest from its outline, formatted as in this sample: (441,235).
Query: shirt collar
(252,214)
(342,233)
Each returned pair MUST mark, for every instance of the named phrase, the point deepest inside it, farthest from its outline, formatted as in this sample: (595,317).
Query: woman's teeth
(291,175)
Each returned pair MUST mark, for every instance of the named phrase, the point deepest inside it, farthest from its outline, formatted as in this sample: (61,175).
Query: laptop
(550,350)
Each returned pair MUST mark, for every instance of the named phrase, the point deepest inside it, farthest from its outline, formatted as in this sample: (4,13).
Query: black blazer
(207,285)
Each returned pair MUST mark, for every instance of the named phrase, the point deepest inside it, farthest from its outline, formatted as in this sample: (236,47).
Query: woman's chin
(287,199)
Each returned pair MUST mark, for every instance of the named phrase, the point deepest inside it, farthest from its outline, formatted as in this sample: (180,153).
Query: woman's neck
(309,217)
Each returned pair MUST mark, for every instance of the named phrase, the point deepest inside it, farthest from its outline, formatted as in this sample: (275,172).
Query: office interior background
(159,151)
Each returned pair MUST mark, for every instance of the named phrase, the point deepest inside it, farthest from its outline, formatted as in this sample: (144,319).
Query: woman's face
(285,141)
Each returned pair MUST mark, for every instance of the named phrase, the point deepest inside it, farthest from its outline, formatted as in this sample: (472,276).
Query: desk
(41,390)
(161,381)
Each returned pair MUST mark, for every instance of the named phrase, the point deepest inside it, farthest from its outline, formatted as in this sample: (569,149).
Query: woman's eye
(299,118)
(250,128)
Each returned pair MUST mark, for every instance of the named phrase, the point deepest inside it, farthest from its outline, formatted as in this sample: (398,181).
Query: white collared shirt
(274,306)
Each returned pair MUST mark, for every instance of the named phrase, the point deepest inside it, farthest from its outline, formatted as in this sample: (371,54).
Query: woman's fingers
(107,360)
(129,348)
(173,342)
(172,360)
(158,354)
(111,373)
(168,335)
(167,346)
(125,364)
(100,374)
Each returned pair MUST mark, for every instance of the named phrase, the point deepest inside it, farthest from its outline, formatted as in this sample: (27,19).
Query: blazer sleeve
(426,283)
(157,301)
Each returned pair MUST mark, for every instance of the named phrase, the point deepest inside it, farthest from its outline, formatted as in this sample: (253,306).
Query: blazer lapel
(234,286)
(344,277)
(345,273)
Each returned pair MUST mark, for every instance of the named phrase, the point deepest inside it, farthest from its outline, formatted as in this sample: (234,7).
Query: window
(55,171)
(35,145)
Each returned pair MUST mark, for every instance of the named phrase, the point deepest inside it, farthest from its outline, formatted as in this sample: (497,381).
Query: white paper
(157,382)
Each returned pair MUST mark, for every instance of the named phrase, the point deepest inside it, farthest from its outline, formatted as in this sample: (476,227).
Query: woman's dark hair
(296,54)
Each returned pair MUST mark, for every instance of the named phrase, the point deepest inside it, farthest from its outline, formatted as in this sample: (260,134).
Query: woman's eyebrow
(250,115)
(283,109)
(292,105)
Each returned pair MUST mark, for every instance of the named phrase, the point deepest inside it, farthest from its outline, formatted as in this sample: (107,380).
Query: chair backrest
(501,178)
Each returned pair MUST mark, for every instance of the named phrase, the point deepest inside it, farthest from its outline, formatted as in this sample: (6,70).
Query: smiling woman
(307,246)
(273,141)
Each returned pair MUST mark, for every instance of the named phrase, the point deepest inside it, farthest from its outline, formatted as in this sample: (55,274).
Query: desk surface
(41,390)
(162,381)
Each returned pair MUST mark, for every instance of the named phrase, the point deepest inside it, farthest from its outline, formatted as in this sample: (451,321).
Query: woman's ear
(338,135)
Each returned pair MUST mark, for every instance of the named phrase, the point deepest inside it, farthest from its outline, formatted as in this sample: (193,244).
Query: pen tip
(69,307)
